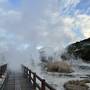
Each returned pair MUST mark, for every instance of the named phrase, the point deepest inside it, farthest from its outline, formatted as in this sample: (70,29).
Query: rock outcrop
(77,85)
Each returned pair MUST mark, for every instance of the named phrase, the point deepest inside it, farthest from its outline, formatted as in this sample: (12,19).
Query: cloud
(56,26)
(67,7)
(84,21)
(63,28)
(1,1)
(58,29)
(23,47)
(53,24)
(11,40)
(8,17)
(53,29)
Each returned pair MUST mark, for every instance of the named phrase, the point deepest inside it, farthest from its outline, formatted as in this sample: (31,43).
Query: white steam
(50,24)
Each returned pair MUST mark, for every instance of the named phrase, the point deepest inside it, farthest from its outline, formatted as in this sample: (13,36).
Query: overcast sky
(27,25)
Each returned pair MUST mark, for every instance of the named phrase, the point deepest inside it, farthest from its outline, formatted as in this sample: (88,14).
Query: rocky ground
(77,85)
(81,71)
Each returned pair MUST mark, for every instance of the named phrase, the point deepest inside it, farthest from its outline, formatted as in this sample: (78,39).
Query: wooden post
(30,75)
(25,72)
(3,67)
(34,81)
(43,84)
(0,73)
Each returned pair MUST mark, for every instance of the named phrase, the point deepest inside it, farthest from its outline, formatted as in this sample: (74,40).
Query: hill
(79,50)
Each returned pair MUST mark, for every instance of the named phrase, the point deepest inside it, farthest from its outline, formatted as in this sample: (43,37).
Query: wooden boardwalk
(17,82)
(26,79)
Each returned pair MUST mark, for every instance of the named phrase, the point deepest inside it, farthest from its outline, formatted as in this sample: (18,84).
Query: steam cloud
(26,26)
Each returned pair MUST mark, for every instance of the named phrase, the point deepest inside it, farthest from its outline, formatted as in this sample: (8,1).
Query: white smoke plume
(25,26)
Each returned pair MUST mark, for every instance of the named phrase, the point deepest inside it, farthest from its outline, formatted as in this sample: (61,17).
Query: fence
(3,69)
(33,77)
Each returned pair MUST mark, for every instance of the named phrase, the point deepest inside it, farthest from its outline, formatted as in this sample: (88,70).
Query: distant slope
(79,50)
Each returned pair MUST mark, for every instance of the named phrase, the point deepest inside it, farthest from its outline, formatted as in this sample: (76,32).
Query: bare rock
(77,85)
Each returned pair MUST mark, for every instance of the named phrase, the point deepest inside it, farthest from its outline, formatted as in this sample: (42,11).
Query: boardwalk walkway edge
(33,77)
(3,72)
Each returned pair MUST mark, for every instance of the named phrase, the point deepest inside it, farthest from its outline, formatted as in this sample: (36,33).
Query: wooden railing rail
(33,77)
(3,71)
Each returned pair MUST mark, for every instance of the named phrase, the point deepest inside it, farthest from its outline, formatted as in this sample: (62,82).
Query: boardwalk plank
(16,81)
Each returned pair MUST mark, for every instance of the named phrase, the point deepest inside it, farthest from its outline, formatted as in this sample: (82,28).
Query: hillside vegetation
(79,50)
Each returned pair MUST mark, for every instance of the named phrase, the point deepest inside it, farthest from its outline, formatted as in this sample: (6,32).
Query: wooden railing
(3,71)
(34,79)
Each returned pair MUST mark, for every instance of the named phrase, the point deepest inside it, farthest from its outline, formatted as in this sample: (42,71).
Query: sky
(28,25)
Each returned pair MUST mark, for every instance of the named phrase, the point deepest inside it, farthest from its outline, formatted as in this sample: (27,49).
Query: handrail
(4,83)
(33,77)
(3,71)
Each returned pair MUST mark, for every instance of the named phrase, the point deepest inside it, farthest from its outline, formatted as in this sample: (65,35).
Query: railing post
(3,69)
(43,84)
(30,75)
(26,72)
(34,81)
(0,73)
(23,70)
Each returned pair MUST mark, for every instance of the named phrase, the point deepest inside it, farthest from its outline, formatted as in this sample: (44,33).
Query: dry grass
(59,66)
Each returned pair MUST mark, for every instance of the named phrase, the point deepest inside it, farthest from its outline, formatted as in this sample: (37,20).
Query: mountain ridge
(79,49)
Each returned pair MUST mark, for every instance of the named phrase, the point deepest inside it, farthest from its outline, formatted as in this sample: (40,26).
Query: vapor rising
(27,26)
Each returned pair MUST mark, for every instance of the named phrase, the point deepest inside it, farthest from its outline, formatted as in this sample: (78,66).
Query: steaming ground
(57,80)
